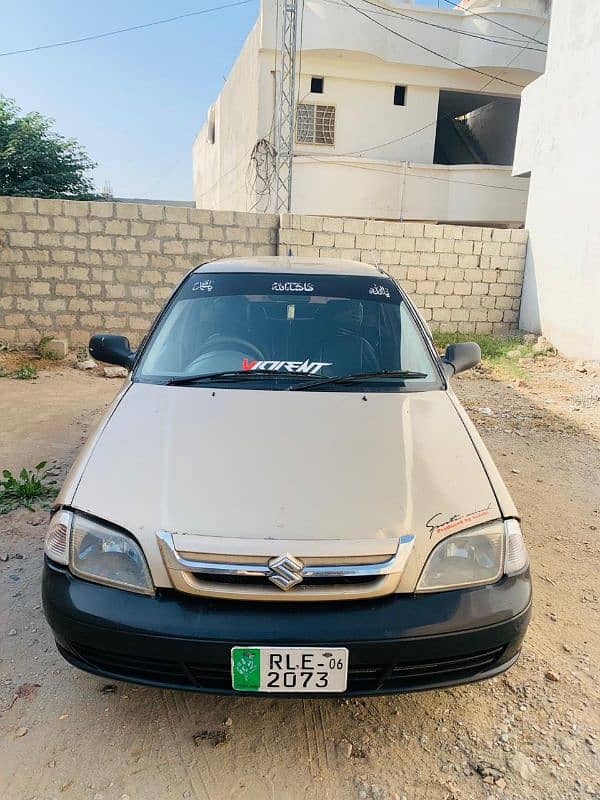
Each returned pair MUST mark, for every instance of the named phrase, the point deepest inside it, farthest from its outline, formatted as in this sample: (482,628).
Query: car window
(288,325)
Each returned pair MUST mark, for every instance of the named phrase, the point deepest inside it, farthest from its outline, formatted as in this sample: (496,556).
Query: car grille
(216,677)
(278,577)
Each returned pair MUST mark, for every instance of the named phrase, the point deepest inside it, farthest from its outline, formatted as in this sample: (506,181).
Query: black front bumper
(397,644)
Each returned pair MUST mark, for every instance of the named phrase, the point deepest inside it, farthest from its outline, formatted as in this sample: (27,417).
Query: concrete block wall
(71,269)
(463,279)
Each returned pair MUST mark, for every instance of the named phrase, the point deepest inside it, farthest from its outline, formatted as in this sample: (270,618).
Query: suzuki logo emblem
(286,571)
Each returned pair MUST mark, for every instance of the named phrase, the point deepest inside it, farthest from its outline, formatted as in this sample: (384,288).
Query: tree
(37,162)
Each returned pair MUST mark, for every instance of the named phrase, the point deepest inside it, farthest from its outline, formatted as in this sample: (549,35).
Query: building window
(316,85)
(399,95)
(315,124)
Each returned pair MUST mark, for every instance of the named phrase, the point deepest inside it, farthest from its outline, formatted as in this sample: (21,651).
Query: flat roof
(292,264)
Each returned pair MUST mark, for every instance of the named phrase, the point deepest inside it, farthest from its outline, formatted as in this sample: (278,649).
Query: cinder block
(75,240)
(327,239)
(452,301)
(39,287)
(149,211)
(333,224)
(513,249)
(434,231)
(429,259)
(472,234)
(18,239)
(346,240)
(444,245)
(125,243)
(417,274)
(425,245)
(313,223)
(199,216)
(374,226)
(28,205)
(235,234)
(406,244)
(434,301)
(501,235)
(448,260)
(118,226)
(176,214)
(223,217)
(86,225)
(519,236)
(414,229)
(35,222)
(410,259)
(99,208)
(101,243)
(129,211)
(436,273)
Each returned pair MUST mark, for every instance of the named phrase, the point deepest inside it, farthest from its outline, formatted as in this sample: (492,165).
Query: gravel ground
(532,733)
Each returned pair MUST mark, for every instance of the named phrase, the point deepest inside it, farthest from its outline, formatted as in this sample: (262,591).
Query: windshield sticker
(202,286)
(436,525)
(380,290)
(292,286)
(304,367)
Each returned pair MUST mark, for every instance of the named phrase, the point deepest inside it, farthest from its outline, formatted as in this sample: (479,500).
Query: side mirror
(112,349)
(460,357)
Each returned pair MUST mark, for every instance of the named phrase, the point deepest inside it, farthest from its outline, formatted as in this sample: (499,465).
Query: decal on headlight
(305,367)
(455,521)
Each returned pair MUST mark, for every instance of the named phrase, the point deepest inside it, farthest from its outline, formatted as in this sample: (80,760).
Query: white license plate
(289,669)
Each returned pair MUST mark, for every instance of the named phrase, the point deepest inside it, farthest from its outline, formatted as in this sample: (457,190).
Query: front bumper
(397,643)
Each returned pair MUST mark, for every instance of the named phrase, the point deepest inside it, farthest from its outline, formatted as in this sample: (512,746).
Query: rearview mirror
(461,356)
(112,349)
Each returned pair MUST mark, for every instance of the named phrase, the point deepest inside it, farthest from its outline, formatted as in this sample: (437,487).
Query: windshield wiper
(354,377)
(233,374)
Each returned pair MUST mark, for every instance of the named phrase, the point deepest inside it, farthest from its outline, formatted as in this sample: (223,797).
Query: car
(286,496)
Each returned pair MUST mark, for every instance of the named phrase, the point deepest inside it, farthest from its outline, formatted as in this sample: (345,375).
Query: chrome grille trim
(188,575)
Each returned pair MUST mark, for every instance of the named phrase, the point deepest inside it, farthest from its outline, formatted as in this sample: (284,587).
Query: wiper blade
(212,376)
(359,376)
(234,374)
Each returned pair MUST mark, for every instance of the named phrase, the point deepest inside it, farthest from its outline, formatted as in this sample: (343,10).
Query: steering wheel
(225,342)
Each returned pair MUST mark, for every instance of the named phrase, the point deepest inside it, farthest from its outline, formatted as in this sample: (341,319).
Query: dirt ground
(533,733)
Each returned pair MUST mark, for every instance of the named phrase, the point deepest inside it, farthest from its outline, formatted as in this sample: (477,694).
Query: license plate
(289,669)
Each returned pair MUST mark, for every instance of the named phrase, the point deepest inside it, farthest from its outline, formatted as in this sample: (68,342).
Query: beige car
(286,496)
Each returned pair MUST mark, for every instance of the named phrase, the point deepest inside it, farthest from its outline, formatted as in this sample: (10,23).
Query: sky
(134,101)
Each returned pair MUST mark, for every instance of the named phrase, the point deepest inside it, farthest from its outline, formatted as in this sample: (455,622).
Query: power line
(126,30)
(419,177)
(430,50)
(394,13)
(499,24)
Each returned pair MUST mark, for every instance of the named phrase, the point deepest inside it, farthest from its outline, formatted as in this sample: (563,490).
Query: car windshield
(286,329)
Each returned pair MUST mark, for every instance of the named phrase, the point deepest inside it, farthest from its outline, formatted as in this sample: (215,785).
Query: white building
(558,146)
(386,127)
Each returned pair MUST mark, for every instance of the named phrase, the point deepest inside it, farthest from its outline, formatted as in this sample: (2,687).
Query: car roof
(292,264)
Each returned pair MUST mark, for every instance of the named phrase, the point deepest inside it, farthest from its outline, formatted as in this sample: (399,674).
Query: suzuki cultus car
(286,496)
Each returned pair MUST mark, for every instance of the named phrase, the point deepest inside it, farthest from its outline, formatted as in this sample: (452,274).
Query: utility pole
(286,109)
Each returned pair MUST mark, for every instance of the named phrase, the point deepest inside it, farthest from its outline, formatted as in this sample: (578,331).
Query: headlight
(468,558)
(476,557)
(97,552)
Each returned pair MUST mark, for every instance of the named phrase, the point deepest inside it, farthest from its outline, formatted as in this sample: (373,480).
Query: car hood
(315,470)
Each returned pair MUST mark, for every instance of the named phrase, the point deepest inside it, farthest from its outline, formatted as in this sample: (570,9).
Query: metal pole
(286,108)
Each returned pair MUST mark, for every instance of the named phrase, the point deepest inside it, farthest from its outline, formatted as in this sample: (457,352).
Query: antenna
(286,111)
